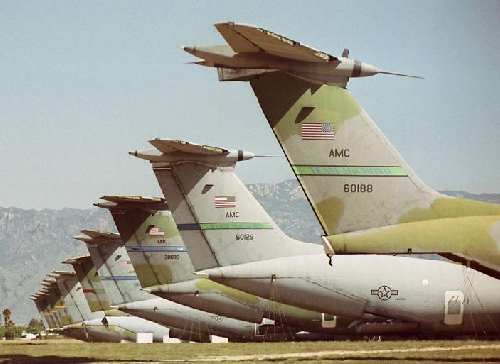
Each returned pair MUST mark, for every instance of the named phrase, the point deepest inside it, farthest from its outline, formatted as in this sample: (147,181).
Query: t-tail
(38,301)
(51,295)
(253,51)
(76,305)
(356,181)
(220,221)
(353,176)
(58,306)
(42,302)
(151,239)
(91,283)
(113,265)
(72,295)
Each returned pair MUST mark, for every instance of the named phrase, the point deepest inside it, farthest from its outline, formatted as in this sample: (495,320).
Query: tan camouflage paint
(358,181)
(475,236)
(92,287)
(152,268)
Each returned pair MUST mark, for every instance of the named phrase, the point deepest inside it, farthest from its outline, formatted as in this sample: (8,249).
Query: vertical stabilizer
(220,221)
(69,286)
(37,300)
(151,238)
(42,302)
(114,267)
(91,284)
(352,175)
(56,309)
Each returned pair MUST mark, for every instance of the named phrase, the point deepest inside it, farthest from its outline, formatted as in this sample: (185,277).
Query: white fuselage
(430,292)
(186,318)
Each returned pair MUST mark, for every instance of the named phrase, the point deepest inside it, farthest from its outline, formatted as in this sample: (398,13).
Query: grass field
(69,351)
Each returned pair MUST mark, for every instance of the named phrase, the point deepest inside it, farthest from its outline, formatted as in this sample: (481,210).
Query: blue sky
(83,82)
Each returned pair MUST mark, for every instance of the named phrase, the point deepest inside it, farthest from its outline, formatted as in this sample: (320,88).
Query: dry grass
(71,351)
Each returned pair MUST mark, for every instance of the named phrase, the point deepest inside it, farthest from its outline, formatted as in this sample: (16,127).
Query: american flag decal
(155,231)
(317,131)
(224,202)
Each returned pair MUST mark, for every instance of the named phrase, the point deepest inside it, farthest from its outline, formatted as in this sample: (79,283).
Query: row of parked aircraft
(207,259)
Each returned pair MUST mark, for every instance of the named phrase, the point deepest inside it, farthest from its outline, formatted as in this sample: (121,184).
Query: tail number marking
(358,187)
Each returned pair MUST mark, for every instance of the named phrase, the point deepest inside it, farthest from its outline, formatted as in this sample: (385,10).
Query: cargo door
(328,321)
(453,308)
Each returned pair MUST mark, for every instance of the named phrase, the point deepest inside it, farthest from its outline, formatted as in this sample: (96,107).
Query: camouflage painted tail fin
(58,306)
(40,306)
(112,262)
(70,288)
(91,283)
(151,238)
(53,297)
(42,302)
(352,175)
(220,221)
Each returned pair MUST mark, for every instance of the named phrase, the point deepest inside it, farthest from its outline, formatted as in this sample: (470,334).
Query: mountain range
(34,242)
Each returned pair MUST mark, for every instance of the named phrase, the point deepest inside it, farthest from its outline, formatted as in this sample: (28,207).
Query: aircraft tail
(56,308)
(220,221)
(75,303)
(37,300)
(54,312)
(42,303)
(92,287)
(113,265)
(352,175)
(151,238)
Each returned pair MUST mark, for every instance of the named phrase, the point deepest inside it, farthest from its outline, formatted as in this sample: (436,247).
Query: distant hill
(34,242)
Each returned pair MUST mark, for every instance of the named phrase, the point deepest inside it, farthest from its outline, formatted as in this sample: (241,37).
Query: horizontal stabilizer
(149,204)
(244,38)
(178,151)
(75,260)
(95,237)
(132,199)
(240,74)
(171,146)
(48,281)
(61,273)
(253,52)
